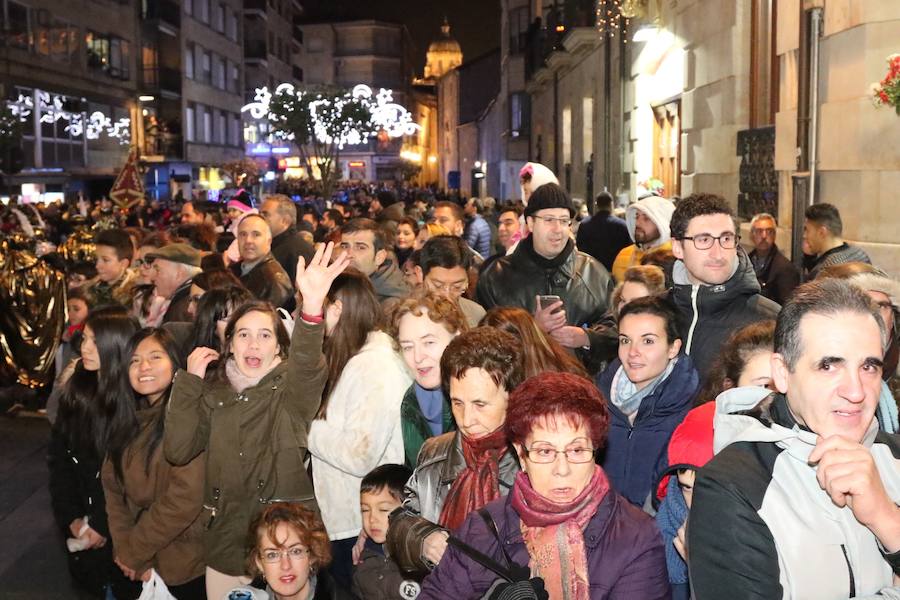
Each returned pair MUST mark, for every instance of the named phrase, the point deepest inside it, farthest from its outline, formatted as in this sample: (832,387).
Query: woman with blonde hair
(638,282)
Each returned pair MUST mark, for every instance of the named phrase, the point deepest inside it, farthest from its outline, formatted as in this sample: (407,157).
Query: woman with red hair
(562,531)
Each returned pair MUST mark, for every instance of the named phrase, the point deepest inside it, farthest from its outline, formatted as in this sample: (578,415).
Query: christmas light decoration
(384,114)
(613,19)
(51,109)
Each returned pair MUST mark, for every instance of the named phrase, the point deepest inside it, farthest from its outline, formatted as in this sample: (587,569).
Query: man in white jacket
(802,499)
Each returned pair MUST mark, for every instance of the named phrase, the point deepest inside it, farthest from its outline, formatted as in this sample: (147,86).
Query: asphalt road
(32,550)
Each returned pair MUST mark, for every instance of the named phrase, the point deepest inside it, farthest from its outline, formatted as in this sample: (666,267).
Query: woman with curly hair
(289,549)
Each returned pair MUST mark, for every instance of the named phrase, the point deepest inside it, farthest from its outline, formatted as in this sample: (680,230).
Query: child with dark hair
(376,576)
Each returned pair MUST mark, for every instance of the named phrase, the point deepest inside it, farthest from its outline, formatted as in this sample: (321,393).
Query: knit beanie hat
(238,204)
(549,195)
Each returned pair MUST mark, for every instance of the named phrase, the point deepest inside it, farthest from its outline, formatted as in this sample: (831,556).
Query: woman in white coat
(358,425)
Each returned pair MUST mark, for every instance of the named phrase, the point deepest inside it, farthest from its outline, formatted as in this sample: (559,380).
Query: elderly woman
(459,472)
(577,537)
(423,326)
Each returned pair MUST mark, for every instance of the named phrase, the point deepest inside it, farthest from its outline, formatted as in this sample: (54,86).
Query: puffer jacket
(154,517)
(761,526)
(440,461)
(635,453)
(583,284)
(255,442)
(625,558)
(708,314)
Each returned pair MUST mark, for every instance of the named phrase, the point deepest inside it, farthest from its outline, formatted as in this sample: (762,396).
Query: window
(587,128)
(221,127)
(519,114)
(108,53)
(219,17)
(518,29)
(232,27)
(207,125)
(15,26)
(189,61)
(234,133)
(203,11)
(189,123)
(205,67)
(234,82)
(188,7)
(219,73)
(55,39)
(567,135)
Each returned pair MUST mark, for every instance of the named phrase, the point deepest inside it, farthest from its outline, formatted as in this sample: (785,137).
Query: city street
(32,555)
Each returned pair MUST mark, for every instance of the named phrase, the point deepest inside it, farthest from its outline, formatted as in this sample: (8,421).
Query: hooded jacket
(660,212)
(539,176)
(267,280)
(388,281)
(635,454)
(708,314)
(761,526)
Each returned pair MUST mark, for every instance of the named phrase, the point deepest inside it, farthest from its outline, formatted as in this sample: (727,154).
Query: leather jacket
(583,284)
(440,461)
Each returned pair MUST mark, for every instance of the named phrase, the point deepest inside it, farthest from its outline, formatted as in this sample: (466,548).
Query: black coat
(177,311)
(76,491)
(267,281)
(603,236)
(583,284)
(287,247)
(720,310)
(778,276)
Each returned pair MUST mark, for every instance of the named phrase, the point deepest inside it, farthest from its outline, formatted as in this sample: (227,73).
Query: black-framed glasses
(704,241)
(547,454)
(294,553)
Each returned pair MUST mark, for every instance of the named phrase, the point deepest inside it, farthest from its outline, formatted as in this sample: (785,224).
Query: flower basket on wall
(887,91)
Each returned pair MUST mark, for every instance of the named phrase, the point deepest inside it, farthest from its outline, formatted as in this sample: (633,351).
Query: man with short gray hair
(776,274)
(288,245)
(801,500)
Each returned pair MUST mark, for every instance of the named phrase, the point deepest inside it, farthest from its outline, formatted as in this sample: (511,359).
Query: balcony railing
(168,145)
(543,38)
(163,11)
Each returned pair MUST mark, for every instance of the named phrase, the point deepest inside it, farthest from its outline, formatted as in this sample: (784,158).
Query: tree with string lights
(321,121)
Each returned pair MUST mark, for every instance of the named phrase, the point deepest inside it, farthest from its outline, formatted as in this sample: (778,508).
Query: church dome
(444,54)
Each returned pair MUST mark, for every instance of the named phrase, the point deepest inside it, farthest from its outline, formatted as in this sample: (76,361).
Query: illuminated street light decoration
(385,115)
(51,107)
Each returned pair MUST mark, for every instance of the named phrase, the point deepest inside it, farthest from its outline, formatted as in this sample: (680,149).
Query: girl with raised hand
(251,416)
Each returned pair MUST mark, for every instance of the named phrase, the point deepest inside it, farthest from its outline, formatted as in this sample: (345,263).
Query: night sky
(474,23)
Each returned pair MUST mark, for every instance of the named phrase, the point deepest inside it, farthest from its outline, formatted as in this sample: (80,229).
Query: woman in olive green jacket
(252,417)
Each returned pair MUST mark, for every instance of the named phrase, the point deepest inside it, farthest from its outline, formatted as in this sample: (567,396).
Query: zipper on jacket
(850,572)
(695,289)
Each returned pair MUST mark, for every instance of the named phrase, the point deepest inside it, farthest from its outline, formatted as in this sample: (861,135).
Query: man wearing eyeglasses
(715,289)
(443,268)
(777,276)
(546,263)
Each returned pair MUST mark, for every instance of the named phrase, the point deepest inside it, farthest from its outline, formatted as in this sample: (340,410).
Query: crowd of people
(399,396)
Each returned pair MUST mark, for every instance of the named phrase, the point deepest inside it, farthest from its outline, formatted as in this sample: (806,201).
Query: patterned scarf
(554,534)
(479,482)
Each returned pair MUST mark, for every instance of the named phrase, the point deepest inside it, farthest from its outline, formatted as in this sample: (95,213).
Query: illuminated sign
(356,164)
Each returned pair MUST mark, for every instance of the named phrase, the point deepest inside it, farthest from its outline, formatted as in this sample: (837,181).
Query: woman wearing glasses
(649,390)
(562,532)
(289,549)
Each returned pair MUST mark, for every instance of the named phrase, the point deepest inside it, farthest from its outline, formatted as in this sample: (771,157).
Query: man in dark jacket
(547,263)
(776,274)
(822,234)
(365,242)
(715,289)
(174,265)
(603,236)
(258,270)
(287,243)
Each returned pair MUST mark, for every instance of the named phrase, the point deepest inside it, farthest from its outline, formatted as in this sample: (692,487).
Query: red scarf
(554,534)
(479,482)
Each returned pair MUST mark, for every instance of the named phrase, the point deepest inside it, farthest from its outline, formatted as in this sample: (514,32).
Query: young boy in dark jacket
(376,576)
